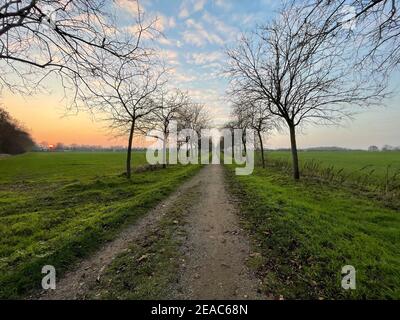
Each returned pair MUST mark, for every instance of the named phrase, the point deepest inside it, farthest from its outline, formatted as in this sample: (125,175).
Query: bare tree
(200,117)
(62,37)
(257,116)
(232,126)
(170,105)
(374,25)
(241,122)
(124,96)
(193,116)
(302,72)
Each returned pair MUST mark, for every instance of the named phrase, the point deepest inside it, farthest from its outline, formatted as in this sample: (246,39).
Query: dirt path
(75,284)
(215,250)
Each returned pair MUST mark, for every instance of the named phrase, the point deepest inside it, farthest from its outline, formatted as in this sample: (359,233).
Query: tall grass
(386,188)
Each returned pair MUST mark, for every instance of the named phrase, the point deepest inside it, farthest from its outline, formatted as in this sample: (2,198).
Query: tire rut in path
(76,283)
(216,248)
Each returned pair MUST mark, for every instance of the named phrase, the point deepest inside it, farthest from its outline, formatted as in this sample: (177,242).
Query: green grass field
(64,166)
(306,231)
(58,207)
(352,162)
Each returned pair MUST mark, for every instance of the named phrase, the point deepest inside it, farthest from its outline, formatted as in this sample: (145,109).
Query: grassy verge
(149,267)
(58,217)
(353,163)
(376,174)
(305,232)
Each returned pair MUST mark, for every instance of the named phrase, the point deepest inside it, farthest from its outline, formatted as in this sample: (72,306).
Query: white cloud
(163,22)
(171,57)
(223,4)
(194,38)
(171,22)
(129,5)
(213,101)
(205,58)
(135,29)
(183,12)
(199,5)
(198,35)
(165,41)
(188,7)
(169,42)
(226,30)
(178,77)
(159,24)
(210,30)
(248,19)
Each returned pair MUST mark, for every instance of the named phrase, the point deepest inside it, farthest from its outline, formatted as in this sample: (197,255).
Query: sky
(195,35)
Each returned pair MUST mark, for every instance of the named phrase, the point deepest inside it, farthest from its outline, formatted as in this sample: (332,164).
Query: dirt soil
(75,284)
(214,254)
(216,248)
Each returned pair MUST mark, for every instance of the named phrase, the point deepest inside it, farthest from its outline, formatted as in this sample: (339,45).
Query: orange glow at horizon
(44,117)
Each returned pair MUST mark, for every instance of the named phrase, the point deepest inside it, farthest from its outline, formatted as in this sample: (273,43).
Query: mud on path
(214,252)
(217,248)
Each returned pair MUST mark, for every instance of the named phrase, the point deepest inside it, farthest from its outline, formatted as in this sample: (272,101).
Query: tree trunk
(262,149)
(295,157)
(164,157)
(233,144)
(129,155)
(244,143)
(187,147)
(199,149)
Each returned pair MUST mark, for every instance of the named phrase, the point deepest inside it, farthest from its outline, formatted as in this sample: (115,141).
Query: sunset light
(206,159)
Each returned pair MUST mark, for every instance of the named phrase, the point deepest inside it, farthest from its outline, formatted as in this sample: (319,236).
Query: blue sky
(195,35)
